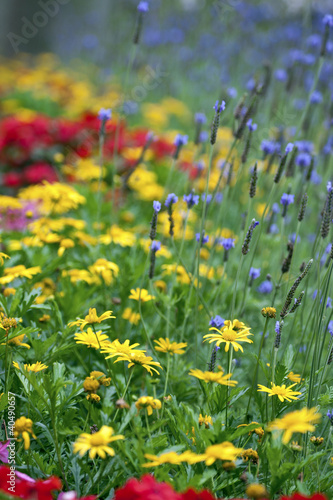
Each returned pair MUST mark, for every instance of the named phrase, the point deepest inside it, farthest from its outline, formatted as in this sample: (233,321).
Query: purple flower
(191,199)
(227,243)
(330,416)
(289,147)
(277,327)
(281,75)
(171,198)
(328,20)
(330,327)
(180,140)
(315,177)
(265,287)
(251,84)
(104,114)
(156,206)
(287,199)
(143,7)
(274,229)
(204,238)
(209,198)
(304,146)
(316,97)
(251,126)
(155,246)
(254,273)
(217,322)
(200,165)
(203,136)
(219,197)
(329,187)
(268,147)
(200,118)
(219,107)
(303,160)
(275,208)
(4,451)
(232,92)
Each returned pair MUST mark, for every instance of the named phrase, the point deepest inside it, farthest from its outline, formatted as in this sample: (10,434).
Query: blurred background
(206,42)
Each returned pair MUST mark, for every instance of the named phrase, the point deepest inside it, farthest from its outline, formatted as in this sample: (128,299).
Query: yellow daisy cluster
(149,403)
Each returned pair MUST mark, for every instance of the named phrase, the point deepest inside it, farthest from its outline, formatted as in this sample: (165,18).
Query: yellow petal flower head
(297,421)
(140,294)
(102,379)
(90,384)
(231,333)
(23,426)
(2,257)
(91,318)
(149,403)
(35,367)
(55,198)
(89,338)
(223,451)
(173,458)
(140,359)
(96,444)
(7,323)
(18,341)
(256,491)
(293,377)
(105,269)
(131,316)
(116,348)
(217,377)
(207,420)
(164,345)
(11,273)
(281,391)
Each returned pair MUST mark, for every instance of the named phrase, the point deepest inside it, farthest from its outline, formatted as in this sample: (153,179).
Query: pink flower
(4,451)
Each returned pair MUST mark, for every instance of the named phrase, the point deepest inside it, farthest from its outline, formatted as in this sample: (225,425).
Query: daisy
(231,333)
(97,443)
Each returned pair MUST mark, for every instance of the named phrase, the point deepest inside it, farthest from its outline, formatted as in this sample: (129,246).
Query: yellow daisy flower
(23,426)
(207,420)
(281,391)
(217,377)
(96,444)
(173,458)
(164,345)
(35,367)
(294,377)
(149,403)
(131,316)
(91,318)
(116,348)
(223,451)
(140,294)
(297,421)
(89,338)
(135,358)
(2,257)
(231,333)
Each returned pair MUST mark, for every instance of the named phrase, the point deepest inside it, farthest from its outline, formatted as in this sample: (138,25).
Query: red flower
(299,496)
(26,487)
(38,172)
(146,489)
(12,179)
(193,495)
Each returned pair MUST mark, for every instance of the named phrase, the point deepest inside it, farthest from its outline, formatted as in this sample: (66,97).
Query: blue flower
(281,75)
(289,147)
(219,197)
(251,126)
(171,198)
(200,118)
(269,147)
(254,273)
(329,187)
(328,20)
(143,7)
(209,198)
(205,239)
(287,199)
(303,160)
(330,327)
(104,114)
(274,229)
(156,206)
(227,243)
(265,287)
(155,246)
(203,136)
(232,92)
(330,416)
(219,107)
(275,208)
(180,140)
(316,97)
(191,199)
(217,322)
(304,146)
